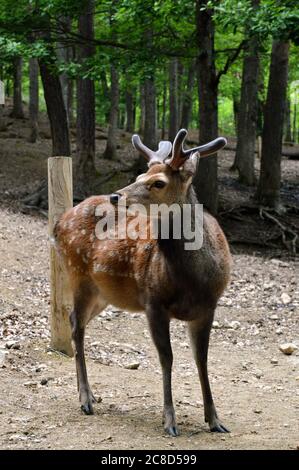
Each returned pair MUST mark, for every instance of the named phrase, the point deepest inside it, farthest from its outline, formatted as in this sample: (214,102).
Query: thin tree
(163,114)
(111,145)
(130,106)
(248,112)
(206,177)
(268,192)
(187,96)
(287,122)
(65,54)
(54,101)
(85,154)
(17,111)
(142,109)
(33,99)
(173,99)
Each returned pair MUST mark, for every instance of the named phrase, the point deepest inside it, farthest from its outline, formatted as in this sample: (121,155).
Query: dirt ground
(255,385)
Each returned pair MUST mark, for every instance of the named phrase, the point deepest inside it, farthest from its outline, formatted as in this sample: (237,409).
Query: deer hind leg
(199,331)
(159,328)
(86,301)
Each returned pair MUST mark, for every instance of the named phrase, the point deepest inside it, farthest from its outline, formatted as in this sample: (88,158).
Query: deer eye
(159,184)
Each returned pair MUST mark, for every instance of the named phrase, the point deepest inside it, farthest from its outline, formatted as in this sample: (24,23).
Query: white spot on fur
(83,232)
(86,211)
(97,268)
(85,260)
(69,262)
(78,251)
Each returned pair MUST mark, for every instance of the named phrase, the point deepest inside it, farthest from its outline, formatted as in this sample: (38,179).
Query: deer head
(169,176)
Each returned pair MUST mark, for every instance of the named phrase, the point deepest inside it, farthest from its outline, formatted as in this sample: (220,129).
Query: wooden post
(60,187)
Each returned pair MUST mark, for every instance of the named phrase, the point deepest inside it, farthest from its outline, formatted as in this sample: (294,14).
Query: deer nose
(114,198)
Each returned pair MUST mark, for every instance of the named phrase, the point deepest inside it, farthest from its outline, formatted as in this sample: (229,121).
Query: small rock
(274,317)
(274,361)
(278,262)
(258,374)
(288,348)
(257,411)
(2,358)
(44,381)
(279,331)
(30,384)
(234,324)
(12,345)
(216,325)
(286,299)
(133,366)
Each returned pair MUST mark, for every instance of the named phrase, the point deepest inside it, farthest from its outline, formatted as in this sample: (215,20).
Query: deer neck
(174,246)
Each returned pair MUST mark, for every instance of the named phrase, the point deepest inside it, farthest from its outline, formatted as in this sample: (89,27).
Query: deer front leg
(85,394)
(159,328)
(199,331)
(85,302)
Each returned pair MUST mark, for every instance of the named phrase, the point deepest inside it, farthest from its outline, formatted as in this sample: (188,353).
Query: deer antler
(153,157)
(179,155)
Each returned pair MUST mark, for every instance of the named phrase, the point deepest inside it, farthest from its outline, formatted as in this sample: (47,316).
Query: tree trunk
(187,98)
(142,109)
(2,120)
(205,180)
(17,111)
(287,122)
(33,99)
(105,93)
(163,116)
(64,55)
(248,112)
(247,121)
(111,146)
(173,99)
(268,192)
(130,105)
(295,123)
(236,110)
(85,137)
(7,88)
(70,102)
(150,128)
(55,108)
(180,88)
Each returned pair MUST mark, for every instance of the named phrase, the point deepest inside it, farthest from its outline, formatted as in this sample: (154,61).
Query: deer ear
(190,166)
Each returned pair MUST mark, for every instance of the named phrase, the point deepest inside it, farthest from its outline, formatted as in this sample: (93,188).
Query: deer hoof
(218,427)
(172,431)
(87,409)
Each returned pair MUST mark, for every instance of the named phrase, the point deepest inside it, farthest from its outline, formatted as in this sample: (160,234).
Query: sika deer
(155,275)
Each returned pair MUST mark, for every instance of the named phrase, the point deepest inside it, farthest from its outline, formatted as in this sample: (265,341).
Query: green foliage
(140,37)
